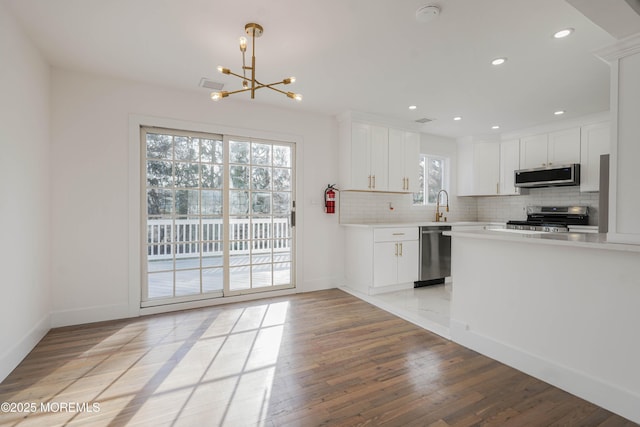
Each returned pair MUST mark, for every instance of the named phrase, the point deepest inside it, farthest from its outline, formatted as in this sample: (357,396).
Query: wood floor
(322,358)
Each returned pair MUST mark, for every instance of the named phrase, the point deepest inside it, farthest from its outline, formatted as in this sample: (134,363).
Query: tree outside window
(433,176)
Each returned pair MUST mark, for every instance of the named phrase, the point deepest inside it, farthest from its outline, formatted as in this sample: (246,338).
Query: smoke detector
(427,13)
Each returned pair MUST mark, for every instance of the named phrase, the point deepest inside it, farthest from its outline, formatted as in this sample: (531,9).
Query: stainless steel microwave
(548,176)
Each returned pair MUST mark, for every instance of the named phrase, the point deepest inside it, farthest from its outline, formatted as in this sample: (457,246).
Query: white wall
(90,208)
(24,194)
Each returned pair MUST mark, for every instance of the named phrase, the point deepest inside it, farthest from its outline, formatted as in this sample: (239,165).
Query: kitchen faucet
(438,213)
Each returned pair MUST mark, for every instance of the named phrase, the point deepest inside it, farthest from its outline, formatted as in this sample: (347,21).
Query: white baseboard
(318,284)
(375,290)
(13,356)
(96,313)
(581,384)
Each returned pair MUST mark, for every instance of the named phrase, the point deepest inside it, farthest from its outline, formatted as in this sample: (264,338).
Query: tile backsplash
(365,207)
(368,207)
(505,208)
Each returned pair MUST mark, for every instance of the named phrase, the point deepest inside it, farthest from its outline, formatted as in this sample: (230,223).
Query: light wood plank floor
(322,358)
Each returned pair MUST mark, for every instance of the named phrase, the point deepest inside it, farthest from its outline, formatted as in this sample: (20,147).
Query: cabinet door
(533,151)
(411,160)
(379,157)
(396,160)
(564,147)
(509,162)
(360,157)
(465,169)
(486,166)
(385,263)
(404,153)
(408,257)
(594,141)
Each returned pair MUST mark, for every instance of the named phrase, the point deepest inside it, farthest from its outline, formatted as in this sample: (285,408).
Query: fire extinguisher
(330,199)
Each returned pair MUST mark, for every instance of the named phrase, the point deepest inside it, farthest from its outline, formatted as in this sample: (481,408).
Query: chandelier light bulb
(245,84)
(243,44)
(296,96)
(223,70)
(216,96)
(289,80)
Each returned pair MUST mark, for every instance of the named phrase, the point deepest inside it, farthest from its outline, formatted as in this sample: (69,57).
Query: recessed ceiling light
(412,107)
(563,33)
(498,61)
(495,127)
(559,112)
(457,118)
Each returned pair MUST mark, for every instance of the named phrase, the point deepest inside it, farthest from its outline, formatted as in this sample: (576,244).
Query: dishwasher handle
(434,229)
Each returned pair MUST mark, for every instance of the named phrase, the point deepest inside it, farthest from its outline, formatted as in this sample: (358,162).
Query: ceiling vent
(210,84)
(424,120)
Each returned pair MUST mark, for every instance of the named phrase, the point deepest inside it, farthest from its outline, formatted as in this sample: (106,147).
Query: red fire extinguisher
(330,199)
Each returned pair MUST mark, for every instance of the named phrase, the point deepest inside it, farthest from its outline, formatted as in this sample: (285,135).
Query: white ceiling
(365,55)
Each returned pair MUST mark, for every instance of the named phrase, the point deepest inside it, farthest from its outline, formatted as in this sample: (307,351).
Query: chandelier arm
(276,89)
(237,75)
(269,84)
(239,91)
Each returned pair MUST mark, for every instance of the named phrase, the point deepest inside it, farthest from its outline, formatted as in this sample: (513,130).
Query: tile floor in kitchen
(427,306)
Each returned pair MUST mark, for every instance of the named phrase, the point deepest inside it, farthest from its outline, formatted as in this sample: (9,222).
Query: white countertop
(420,224)
(582,240)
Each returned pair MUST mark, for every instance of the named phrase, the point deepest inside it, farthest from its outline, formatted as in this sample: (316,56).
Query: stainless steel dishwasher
(435,255)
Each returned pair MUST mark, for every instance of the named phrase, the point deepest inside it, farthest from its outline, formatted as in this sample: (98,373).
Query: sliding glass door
(218,216)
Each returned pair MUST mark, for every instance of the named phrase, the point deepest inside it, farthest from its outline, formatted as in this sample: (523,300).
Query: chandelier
(252,84)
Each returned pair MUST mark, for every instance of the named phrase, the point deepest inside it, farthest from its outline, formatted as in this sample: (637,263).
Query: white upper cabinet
(594,141)
(365,166)
(478,169)
(564,147)
(552,149)
(533,151)
(376,158)
(487,168)
(404,152)
(509,163)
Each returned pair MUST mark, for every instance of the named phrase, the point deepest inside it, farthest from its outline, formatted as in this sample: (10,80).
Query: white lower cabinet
(381,259)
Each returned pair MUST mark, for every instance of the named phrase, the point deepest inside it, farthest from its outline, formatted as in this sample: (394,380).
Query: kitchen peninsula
(560,307)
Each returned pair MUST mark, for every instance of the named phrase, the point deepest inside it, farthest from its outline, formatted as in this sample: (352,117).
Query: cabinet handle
(550,163)
(396,249)
(497,188)
(544,164)
(400,249)
(369,181)
(374,182)
(407,183)
(397,234)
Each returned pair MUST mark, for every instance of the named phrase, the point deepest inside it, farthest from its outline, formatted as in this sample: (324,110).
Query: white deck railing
(186,236)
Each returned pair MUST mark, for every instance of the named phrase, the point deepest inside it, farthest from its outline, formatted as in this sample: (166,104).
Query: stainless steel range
(554,219)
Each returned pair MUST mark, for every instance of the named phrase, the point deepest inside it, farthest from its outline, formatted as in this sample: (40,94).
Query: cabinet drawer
(395,234)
